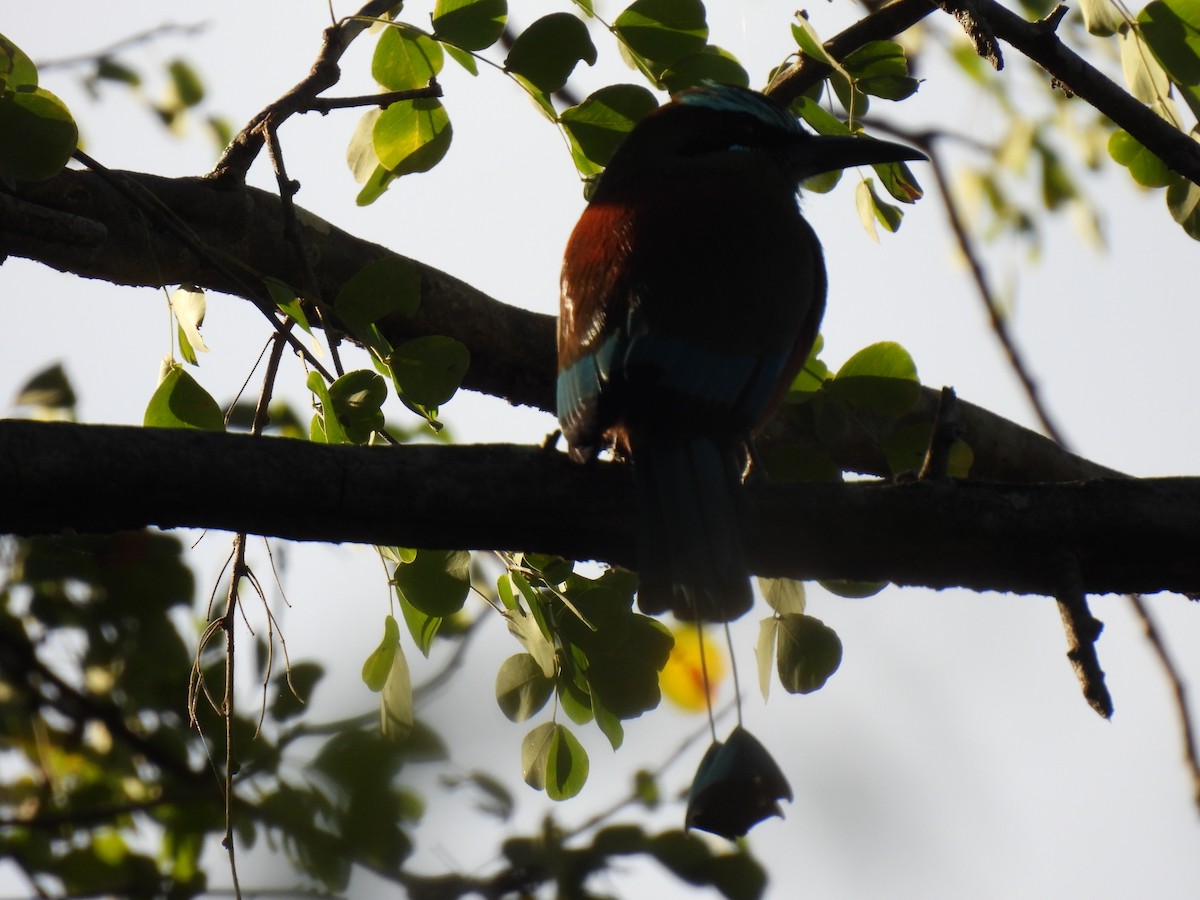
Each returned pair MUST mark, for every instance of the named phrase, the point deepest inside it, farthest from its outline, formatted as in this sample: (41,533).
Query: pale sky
(952,755)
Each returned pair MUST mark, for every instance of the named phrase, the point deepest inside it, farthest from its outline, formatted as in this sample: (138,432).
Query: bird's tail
(690,557)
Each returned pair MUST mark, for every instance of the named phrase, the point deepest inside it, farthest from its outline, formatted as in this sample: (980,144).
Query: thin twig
(291,232)
(991,305)
(1082,630)
(141,37)
(235,162)
(325,105)
(1190,758)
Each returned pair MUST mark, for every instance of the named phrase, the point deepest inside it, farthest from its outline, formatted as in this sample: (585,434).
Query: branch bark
(512,350)
(1126,534)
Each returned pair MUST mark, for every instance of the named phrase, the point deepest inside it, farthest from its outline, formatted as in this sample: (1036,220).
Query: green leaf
(49,389)
(382,287)
(871,209)
(37,135)
(1143,73)
(470,24)
(1170,28)
(546,53)
(428,370)
(405,59)
(360,152)
(784,595)
(462,57)
(378,665)
(437,581)
(881,378)
(553,760)
(853,590)
(412,136)
(293,688)
(712,64)
(1183,200)
(764,652)
(1188,11)
(288,301)
(811,45)
(897,179)
(180,402)
(1144,167)
(880,68)
(1101,17)
(16,69)
(524,628)
(662,32)
(809,652)
(108,69)
(186,83)
(396,700)
(599,124)
(374,186)
(521,687)
(356,400)
(819,118)
(325,428)
(422,627)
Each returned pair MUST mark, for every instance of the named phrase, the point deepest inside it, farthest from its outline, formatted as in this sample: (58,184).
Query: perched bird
(692,292)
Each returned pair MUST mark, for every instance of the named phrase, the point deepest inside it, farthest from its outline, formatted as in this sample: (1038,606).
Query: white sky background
(952,755)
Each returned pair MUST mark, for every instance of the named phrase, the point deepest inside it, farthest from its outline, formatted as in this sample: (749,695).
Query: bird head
(715,120)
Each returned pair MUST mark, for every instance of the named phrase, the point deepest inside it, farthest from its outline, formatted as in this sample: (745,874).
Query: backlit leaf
(470,24)
(599,124)
(412,136)
(521,687)
(180,402)
(428,370)
(880,378)
(808,653)
(546,52)
(37,135)
(382,287)
(16,69)
(663,31)
(553,760)
(378,665)
(396,700)
(405,59)
(437,581)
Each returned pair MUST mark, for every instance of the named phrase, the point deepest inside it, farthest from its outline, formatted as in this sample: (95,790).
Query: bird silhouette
(692,291)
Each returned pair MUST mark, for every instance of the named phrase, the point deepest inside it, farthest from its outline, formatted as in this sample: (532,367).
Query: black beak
(825,153)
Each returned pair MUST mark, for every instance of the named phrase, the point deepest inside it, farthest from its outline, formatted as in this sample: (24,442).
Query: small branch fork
(235,162)
(991,22)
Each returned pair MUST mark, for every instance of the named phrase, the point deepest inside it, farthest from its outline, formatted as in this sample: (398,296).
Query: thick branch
(1127,535)
(512,350)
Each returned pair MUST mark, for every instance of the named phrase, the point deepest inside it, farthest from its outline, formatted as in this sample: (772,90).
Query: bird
(691,292)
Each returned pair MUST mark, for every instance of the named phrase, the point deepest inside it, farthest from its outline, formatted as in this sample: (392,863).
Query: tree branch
(512,350)
(1127,535)
(1036,40)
